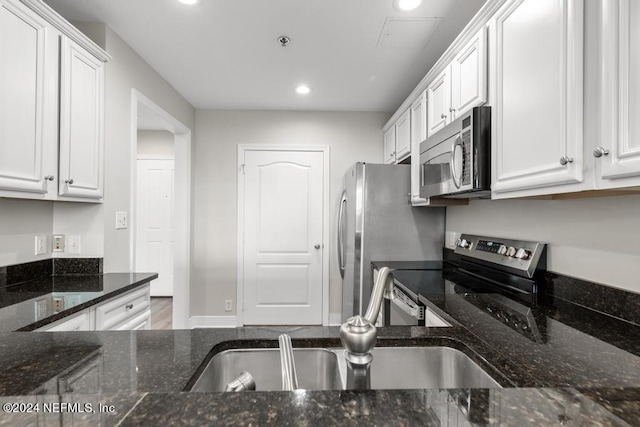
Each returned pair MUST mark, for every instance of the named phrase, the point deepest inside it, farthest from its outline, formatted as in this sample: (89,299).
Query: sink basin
(326,369)
(317,369)
(425,367)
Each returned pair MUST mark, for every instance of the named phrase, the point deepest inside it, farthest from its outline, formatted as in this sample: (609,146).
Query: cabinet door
(403,136)
(418,134)
(469,75)
(439,102)
(28,100)
(78,322)
(618,150)
(81,122)
(390,145)
(538,114)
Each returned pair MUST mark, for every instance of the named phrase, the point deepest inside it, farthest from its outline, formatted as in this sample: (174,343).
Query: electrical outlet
(41,244)
(228,305)
(58,243)
(58,304)
(73,244)
(121,220)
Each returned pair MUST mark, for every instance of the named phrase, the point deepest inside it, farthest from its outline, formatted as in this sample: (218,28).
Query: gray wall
(594,239)
(155,142)
(125,71)
(352,137)
(21,220)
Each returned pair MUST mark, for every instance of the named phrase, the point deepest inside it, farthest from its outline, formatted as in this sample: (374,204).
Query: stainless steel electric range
(487,279)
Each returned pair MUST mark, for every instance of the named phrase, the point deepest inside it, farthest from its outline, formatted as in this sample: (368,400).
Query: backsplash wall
(20,222)
(594,239)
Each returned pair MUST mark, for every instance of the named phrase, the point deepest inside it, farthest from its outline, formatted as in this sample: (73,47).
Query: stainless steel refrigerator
(377,223)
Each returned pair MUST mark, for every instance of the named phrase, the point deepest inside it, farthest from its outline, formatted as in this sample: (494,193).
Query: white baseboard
(213,322)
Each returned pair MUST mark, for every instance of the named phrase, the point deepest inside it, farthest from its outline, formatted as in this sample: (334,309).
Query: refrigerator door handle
(341,260)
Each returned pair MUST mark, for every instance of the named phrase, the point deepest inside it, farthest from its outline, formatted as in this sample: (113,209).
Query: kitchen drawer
(117,313)
(77,322)
(141,321)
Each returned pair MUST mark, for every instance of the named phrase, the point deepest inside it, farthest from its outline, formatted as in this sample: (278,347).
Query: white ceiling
(225,54)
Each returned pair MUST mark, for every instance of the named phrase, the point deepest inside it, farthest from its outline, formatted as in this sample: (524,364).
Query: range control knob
(502,250)
(464,244)
(523,254)
(511,251)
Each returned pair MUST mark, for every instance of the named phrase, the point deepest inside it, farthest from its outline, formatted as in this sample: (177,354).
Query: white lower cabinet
(77,322)
(119,312)
(130,311)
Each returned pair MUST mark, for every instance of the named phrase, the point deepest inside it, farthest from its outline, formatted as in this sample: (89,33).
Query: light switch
(41,244)
(73,244)
(121,220)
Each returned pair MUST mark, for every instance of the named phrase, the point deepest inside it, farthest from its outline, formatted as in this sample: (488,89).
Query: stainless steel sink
(424,367)
(317,369)
(326,369)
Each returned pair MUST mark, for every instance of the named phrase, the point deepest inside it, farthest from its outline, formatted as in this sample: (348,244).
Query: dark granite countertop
(581,368)
(30,305)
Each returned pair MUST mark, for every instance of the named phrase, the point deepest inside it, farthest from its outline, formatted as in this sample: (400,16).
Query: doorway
(167,226)
(283,228)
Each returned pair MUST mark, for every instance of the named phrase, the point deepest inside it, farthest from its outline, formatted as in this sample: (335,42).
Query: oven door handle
(457,180)
(405,304)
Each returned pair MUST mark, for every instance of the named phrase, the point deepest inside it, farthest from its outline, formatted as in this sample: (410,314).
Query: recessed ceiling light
(303,89)
(406,5)
(188,1)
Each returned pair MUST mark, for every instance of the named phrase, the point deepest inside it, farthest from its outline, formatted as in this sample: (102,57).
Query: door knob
(317,246)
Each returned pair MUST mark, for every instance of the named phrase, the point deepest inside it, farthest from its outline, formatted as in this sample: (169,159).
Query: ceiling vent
(407,33)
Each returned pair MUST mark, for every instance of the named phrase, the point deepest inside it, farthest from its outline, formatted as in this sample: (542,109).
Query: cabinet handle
(564,160)
(443,116)
(49,178)
(600,151)
(68,181)
(451,110)
(129,306)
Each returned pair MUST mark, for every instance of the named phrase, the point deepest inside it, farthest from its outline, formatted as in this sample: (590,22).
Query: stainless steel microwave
(456,161)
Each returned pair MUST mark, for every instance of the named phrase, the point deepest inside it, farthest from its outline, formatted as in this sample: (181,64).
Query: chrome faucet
(287,364)
(358,334)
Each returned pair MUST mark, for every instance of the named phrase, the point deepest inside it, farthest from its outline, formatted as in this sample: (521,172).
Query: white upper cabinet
(390,145)
(461,86)
(617,150)
(469,75)
(397,139)
(28,101)
(403,136)
(439,102)
(51,106)
(538,110)
(81,122)
(418,134)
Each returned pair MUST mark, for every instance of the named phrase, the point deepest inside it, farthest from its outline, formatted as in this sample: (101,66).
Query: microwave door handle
(457,180)
(341,261)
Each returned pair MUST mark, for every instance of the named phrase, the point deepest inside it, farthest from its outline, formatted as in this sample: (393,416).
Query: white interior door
(155,231)
(283,230)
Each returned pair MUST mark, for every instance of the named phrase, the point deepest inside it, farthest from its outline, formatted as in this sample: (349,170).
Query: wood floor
(161,312)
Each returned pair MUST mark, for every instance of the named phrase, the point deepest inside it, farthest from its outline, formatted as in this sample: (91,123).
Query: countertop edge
(75,309)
